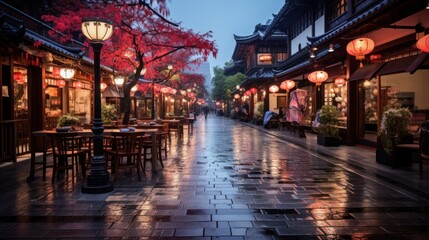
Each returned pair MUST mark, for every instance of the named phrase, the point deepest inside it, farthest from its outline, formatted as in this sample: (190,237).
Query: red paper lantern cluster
(423,43)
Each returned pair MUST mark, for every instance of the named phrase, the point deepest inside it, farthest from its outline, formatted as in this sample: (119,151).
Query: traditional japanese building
(320,35)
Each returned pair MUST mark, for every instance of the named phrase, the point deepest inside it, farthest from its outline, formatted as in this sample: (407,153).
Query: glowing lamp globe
(164,90)
(423,43)
(97,29)
(273,88)
(237,96)
(67,72)
(119,80)
(103,86)
(287,85)
(339,81)
(360,47)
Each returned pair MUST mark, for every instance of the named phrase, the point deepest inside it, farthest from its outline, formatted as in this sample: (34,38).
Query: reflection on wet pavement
(226,181)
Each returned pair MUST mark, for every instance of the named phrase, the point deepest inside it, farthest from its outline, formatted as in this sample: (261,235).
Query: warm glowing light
(134,88)
(77,84)
(318,77)
(287,85)
(254,90)
(97,29)
(61,83)
(265,57)
(360,47)
(164,90)
(274,88)
(119,80)
(103,86)
(423,43)
(237,96)
(67,72)
(339,81)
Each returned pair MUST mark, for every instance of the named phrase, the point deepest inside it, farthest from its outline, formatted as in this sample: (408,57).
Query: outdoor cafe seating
(67,153)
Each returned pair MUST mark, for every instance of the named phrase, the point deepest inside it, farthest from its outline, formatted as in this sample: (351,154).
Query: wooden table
(43,134)
(176,121)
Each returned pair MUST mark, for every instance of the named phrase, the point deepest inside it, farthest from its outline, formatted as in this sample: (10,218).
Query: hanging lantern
(119,80)
(253,90)
(103,86)
(339,81)
(237,96)
(67,72)
(183,92)
(360,47)
(61,83)
(18,76)
(164,90)
(248,93)
(287,85)
(77,84)
(56,72)
(318,77)
(173,91)
(423,43)
(274,88)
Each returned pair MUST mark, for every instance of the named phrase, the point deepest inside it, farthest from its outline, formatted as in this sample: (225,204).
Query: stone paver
(228,180)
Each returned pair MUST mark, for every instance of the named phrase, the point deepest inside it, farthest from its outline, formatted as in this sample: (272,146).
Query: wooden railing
(14,139)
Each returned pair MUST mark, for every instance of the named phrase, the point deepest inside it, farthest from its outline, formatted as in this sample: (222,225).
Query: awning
(397,66)
(420,62)
(366,73)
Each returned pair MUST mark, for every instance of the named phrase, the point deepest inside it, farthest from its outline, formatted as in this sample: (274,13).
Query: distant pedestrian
(206,111)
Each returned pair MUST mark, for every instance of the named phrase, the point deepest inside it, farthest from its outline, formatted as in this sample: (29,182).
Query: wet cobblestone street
(227,181)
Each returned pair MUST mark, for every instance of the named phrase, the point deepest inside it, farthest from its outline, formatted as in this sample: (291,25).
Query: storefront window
(20,92)
(80,103)
(337,96)
(368,109)
(407,90)
(310,111)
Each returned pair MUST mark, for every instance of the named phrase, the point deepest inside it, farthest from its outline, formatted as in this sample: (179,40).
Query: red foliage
(142,38)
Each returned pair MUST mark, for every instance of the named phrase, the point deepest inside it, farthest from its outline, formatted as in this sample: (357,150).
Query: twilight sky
(224,18)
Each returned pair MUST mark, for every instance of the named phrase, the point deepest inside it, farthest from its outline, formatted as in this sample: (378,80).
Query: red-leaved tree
(143,38)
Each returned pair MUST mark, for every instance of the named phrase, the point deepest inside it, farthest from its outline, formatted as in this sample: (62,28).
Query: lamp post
(97,30)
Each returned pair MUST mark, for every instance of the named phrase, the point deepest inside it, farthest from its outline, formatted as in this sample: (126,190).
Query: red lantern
(423,43)
(18,76)
(248,93)
(360,47)
(253,90)
(339,81)
(56,72)
(318,77)
(274,88)
(77,84)
(61,83)
(287,85)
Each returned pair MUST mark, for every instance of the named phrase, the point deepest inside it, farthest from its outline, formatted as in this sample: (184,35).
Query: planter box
(401,159)
(328,141)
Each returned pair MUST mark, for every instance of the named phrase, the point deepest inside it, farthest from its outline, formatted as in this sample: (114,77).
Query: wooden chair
(161,138)
(125,152)
(67,153)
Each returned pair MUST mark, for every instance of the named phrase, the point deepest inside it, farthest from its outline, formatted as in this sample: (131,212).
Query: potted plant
(327,131)
(393,130)
(68,120)
(108,113)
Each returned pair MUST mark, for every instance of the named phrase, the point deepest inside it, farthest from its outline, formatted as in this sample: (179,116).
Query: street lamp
(97,30)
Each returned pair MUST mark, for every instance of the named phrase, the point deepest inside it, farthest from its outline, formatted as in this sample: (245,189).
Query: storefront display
(20,92)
